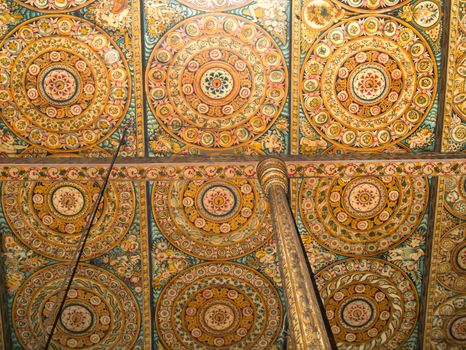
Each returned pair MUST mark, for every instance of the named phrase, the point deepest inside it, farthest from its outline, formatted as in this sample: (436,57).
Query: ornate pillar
(304,314)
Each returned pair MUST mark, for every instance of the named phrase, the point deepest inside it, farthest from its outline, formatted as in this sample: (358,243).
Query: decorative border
(185,171)
(454,34)
(295,71)
(146,311)
(138,77)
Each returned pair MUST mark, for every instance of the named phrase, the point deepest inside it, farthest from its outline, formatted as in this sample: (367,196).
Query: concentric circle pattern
(216,81)
(449,331)
(219,305)
(49,217)
(64,83)
(370,303)
(212,220)
(52,6)
(363,215)
(371,5)
(215,5)
(451,271)
(100,311)
(455,196)
(368,82)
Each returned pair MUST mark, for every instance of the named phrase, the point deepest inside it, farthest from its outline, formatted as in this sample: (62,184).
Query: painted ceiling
(191,264)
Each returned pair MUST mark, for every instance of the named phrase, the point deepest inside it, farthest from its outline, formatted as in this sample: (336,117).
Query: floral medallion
(426,13)
(449,331)
(319,14)
(60,89)
(49,217)
(215,5)
(100,311)
(455,196)
(368,82)
(216,305)
(216,81)
(451,270)
(212,220)
(371,5)
(370,304)
(52,6)
(363,215)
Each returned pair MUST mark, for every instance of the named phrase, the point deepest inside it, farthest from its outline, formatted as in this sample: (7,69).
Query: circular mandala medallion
(216,81)
(49,217)
(215,5)
(452,265)
(371,5)
(368,83)
(100,311)
(215,305)
(52,6)
(370,303)
(362,215)
(449,331)
(212,220)
(455,196)
(60,89)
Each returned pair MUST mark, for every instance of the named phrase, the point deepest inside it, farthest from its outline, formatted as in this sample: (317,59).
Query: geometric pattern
(370,303)
(215,305)
(212,220)
(363,215)
(49,217)
(215,105)
(100,311)
(63,91)
(368,82)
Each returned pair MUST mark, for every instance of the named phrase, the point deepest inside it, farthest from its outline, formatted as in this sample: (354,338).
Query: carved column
(306,321)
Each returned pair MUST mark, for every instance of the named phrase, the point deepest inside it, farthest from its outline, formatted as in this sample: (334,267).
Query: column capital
(272,171)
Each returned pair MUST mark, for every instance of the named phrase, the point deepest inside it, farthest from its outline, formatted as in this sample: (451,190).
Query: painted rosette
(362,216)
(451,268)
(54,6)
(212,220)
(449,320)
(219,305)
(64,83)
(370,303)
(216,81)
(368,82)
(455,196)
(100,311)
(49,217)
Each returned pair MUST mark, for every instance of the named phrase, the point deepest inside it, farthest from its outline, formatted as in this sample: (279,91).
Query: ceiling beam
(180,167)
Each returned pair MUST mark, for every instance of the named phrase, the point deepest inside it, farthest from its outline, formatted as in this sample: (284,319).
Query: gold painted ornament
(368,82)
(49,217)
(449,330)
(451,268)
(64,83)
(100,311)
(216,81)
(54,6)
(215,5)
(219,305)
(362,216)
(212,220)
(370,303)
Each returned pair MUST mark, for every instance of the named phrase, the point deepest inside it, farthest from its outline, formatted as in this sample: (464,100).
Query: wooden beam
(179,168)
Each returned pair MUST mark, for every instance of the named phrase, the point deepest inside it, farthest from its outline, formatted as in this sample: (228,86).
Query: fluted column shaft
(306,321)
